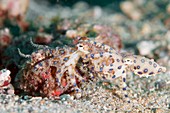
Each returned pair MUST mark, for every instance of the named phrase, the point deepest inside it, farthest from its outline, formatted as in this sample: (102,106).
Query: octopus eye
(127,61)
(80,46)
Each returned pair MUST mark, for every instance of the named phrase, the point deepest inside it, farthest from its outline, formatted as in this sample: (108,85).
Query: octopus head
(128,60)
(82,48)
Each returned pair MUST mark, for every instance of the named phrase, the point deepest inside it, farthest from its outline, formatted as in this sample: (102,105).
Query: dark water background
(90,2)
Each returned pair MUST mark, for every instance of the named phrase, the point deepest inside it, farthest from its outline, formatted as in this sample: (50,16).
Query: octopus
(109,64)
(53,72)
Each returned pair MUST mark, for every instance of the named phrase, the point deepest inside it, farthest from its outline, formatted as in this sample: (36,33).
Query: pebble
(71,33)
(5,37)
(130,10)
(146,47)
(160,84)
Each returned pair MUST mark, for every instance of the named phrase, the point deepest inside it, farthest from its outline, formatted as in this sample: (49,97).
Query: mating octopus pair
(52,72)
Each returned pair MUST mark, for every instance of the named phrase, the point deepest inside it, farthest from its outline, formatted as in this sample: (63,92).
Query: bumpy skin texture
(52,72)
(108,64)
(142,66)
(104,62)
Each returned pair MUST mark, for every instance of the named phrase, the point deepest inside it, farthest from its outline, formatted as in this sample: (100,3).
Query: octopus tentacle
(143,66)
(37,45)
(23,55)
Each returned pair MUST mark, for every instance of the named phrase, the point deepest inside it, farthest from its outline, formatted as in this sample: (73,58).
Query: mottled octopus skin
(105,62)
(142,66)
(108,64)
(53,70)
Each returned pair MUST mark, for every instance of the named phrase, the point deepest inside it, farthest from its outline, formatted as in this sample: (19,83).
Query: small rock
(160,84)
(43,38)
(71,33)
(146,47)
(5,78)
(5,37)
(130,10)
(16,97)
(146,29)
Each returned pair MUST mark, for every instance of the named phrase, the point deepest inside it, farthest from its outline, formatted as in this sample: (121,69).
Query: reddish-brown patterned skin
(52,72)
